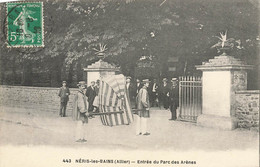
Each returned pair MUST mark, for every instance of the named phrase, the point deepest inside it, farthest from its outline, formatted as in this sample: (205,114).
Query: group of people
(91,92)
(85,104)
(143,93)
(161,94)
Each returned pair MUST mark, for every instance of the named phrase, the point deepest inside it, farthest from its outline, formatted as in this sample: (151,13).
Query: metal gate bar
(190,98)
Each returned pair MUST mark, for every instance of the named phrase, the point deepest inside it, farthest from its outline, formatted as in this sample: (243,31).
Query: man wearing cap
(174,98)
(80,112)
(64,93)
(143,106)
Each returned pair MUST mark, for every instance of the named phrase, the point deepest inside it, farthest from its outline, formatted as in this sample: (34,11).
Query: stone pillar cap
(224,62)
(101,66)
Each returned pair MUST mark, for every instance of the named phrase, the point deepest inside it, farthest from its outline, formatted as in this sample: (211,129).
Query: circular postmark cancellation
(24,24)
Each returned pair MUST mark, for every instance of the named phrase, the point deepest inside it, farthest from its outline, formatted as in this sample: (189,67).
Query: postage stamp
(24,24)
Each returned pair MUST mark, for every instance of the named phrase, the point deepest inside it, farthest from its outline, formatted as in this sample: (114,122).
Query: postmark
(24,24)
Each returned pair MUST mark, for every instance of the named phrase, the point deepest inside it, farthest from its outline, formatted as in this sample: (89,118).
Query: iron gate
(190,98)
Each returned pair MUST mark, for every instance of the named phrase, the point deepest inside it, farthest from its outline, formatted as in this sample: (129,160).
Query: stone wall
(39,98)
(247,109)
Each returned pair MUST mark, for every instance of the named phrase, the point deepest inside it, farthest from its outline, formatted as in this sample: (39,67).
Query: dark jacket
(137,89)
(62,94)
(165,89)
(91,94)
(174,95)
(97,89)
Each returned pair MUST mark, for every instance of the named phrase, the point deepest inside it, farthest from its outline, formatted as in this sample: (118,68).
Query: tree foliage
(131,29)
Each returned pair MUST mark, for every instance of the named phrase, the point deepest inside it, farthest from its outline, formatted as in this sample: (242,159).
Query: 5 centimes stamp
(24,24)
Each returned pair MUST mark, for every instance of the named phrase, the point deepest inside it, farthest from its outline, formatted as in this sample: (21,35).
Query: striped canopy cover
(113,98)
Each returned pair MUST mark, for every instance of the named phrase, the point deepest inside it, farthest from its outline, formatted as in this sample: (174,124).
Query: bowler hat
(64,81)
(146,81)
(174,79)
(128,77)
(165,79)
(81,83)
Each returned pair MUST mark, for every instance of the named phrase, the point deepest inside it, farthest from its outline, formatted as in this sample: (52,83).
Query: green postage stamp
(24,24)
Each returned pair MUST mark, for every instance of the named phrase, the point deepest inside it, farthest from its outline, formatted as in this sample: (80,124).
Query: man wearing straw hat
(143,106)
(174,98)
(80,112)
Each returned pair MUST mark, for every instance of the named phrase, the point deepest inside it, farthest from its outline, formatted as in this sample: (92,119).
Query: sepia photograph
(137,83)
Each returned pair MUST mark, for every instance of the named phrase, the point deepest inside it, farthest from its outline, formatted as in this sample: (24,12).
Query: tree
(130,29)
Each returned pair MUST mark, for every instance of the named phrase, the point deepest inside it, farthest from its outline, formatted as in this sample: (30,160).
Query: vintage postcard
(129,83)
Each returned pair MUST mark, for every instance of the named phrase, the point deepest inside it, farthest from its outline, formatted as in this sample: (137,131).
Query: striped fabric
(112,98)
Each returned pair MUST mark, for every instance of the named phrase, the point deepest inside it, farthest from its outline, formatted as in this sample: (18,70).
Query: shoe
(146,134)
(138,134)
(171,119)
(79,140)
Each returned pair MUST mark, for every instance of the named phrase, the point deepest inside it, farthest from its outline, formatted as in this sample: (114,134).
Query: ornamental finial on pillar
(100,52)
(224,43)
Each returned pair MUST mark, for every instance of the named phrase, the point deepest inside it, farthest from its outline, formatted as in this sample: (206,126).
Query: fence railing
(190,97)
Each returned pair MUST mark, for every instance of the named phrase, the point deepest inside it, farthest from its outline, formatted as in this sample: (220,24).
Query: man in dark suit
(91,94)
(174,98)
(64,98)
(138,86)
(154,93)
(165,93)
(96,100)
(130,90)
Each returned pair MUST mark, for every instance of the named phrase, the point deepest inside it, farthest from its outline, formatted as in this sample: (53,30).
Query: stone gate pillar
(222,76)
(98,70)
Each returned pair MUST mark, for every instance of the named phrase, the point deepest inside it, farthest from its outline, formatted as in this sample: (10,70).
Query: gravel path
(29,127)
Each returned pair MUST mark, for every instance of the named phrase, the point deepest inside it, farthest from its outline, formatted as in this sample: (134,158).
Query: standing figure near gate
(64,98)
(174,98)
(143,106)
(80,112)
(129,90)
(91,94)
(165,93)
(154,94)
(96,100)
(137,88)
